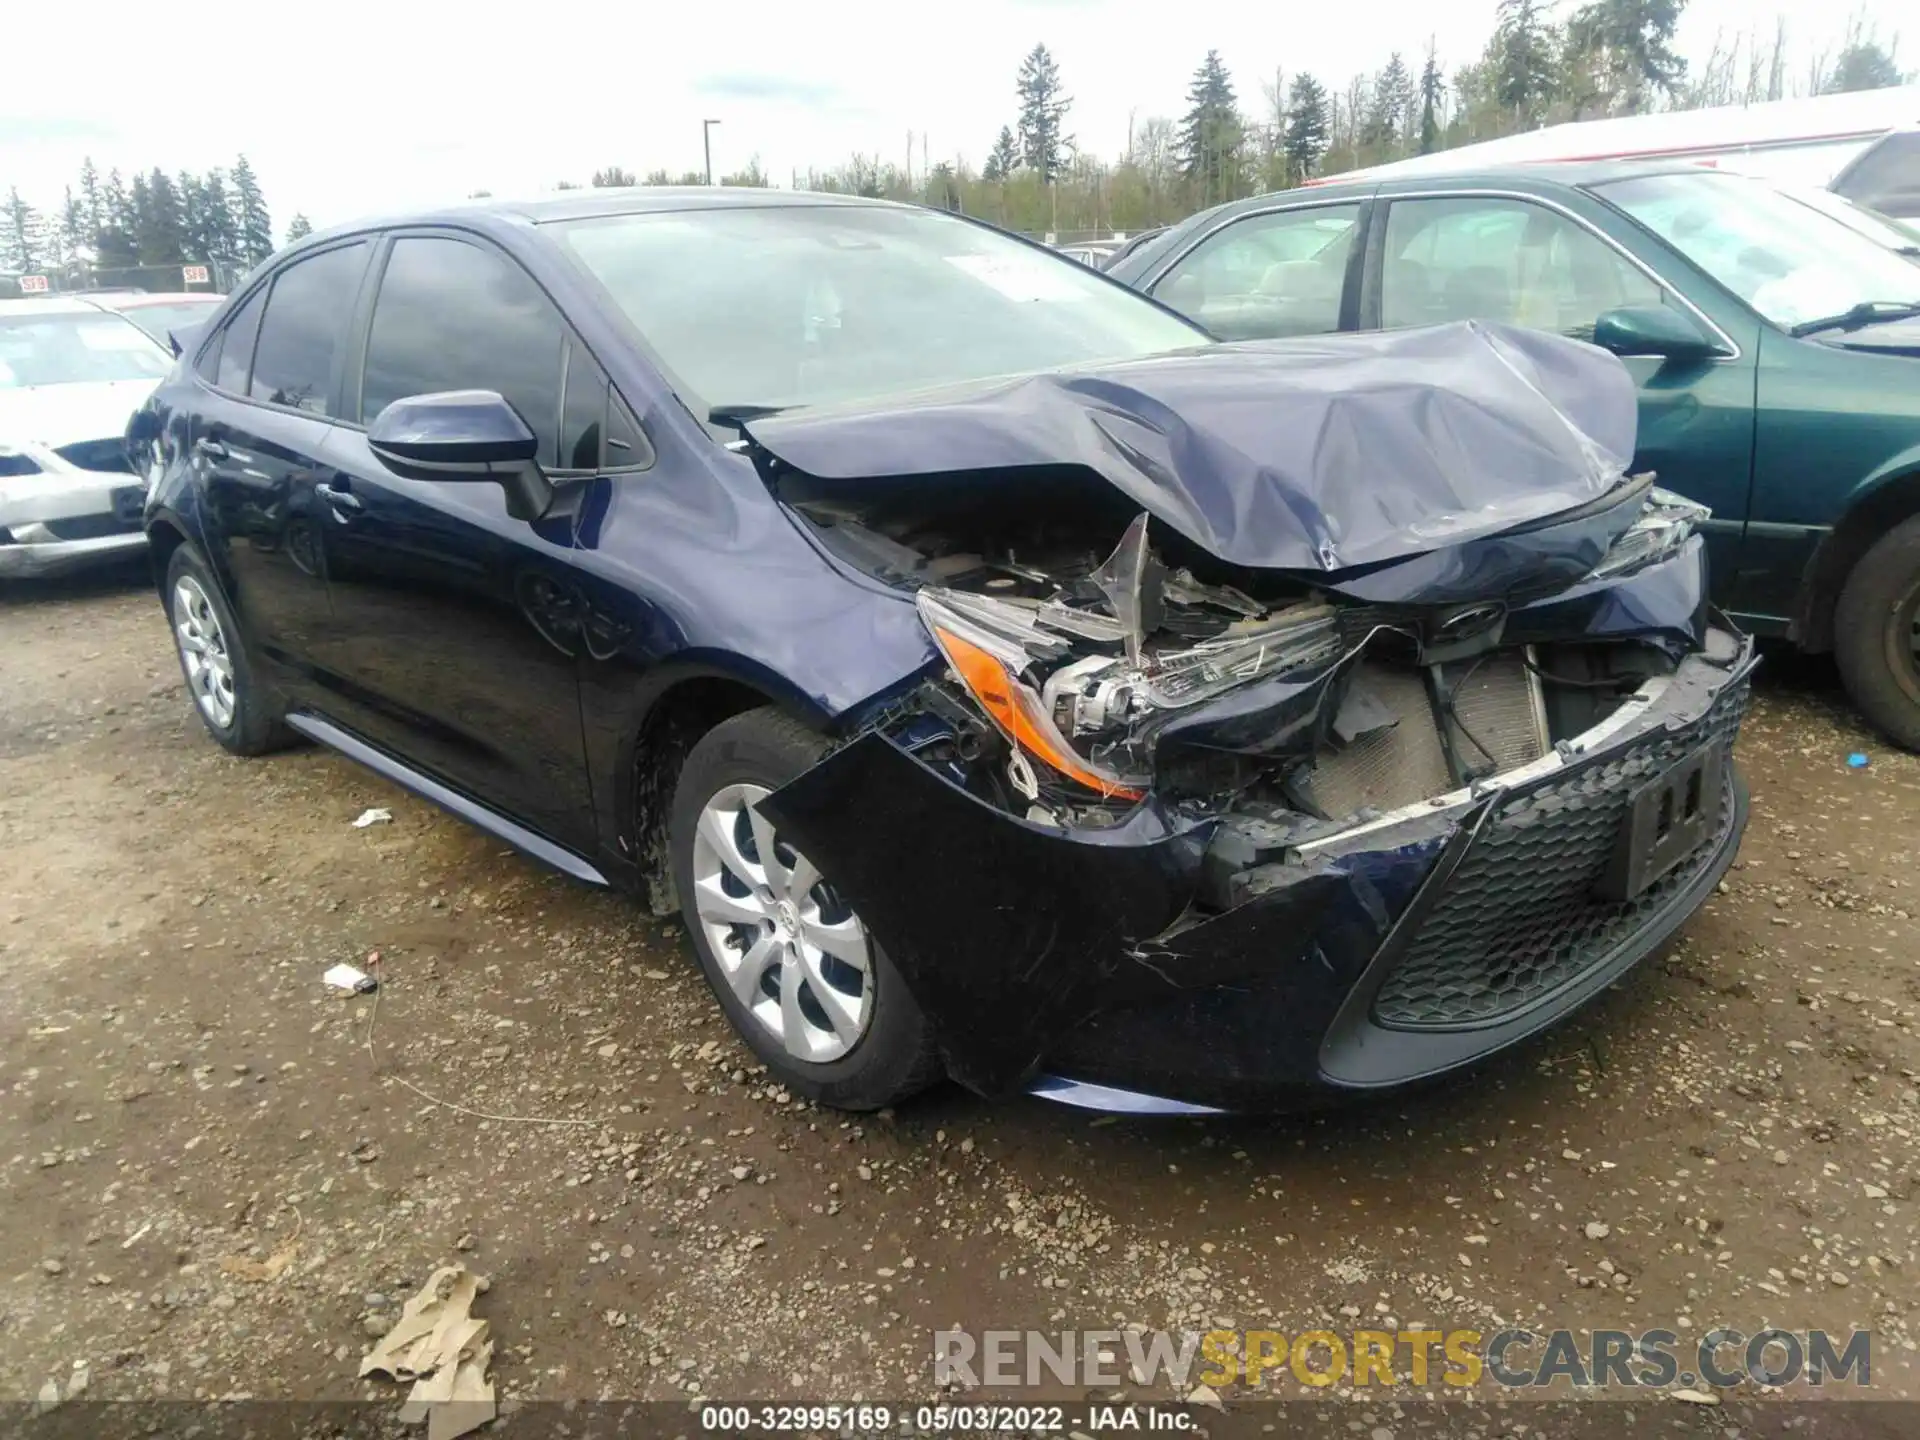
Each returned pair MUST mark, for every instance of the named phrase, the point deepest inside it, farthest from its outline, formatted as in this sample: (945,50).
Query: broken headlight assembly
(1082,690)
(1663,527)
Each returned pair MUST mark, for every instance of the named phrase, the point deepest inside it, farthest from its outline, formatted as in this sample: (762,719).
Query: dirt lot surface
(1729,1138)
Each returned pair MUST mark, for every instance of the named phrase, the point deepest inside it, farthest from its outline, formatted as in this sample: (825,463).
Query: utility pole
(706,142)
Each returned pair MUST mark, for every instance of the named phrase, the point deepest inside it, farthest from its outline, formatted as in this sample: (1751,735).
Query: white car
(71,375)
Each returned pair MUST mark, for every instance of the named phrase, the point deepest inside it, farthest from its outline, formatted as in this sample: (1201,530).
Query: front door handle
(212,449)
(344,502)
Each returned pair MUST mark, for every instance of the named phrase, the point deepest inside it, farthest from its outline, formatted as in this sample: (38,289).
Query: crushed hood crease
(1321,454)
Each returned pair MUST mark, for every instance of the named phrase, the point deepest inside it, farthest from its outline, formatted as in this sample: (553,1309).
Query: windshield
(157,320)
(800,305)
(55,349)
(1787,260)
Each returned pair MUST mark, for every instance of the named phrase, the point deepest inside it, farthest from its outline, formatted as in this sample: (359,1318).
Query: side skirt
(452,801)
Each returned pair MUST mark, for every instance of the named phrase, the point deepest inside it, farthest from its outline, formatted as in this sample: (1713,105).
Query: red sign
(193,274)
(33,284)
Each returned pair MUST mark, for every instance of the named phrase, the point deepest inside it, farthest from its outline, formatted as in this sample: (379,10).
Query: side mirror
(1651,330)
(464,435)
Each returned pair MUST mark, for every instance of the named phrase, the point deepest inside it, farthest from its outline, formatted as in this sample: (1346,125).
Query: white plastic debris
(374,816)
(346,977)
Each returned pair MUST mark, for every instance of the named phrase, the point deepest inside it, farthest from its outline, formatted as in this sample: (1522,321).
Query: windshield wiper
(1865,313)
(737,417)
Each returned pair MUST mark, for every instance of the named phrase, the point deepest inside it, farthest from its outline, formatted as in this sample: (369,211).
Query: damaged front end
(1177,827)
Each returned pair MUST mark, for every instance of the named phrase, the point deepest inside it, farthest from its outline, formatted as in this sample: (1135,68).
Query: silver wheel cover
(203,652)
(793,953)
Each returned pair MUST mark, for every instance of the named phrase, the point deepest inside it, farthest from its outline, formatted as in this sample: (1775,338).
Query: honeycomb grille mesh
(1519,918)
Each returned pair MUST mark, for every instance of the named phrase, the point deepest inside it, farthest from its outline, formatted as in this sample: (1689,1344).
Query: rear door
(453,640)
(273,380)
(1287,271)
(1439,257)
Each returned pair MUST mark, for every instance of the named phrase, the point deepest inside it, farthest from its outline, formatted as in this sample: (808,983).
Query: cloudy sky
(350,107)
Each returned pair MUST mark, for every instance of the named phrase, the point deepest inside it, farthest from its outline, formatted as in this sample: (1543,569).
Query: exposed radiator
(1499,703)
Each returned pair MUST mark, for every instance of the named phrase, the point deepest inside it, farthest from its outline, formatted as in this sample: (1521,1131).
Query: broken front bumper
(66,518)
(1074,962)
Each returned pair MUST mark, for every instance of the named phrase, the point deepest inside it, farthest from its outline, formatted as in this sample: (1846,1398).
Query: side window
(207,367)
(583,413)
(1267,275)
(1479,258)
(235,347)
(453,316)
(308,311)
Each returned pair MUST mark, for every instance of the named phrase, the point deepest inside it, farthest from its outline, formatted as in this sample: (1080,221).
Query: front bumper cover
(67,518)
(1037,952)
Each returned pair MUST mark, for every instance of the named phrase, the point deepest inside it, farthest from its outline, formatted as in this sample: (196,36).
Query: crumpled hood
(1321,454)
(55,415)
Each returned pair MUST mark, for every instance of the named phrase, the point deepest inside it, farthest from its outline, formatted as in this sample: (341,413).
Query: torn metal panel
(1319,454)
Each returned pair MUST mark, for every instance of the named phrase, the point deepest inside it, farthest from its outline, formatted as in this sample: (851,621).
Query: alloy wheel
(203,652)
(793,953)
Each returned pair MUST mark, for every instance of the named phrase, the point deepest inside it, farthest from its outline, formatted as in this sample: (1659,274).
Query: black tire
(1873,634)
(256,726)
(894,1056)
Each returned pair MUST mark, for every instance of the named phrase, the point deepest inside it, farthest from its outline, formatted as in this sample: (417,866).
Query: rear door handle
(212,449)
(344,502)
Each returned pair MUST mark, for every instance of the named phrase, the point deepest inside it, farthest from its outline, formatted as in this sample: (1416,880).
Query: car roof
(153,297)
(48,305)
(605,201)
(1539,172)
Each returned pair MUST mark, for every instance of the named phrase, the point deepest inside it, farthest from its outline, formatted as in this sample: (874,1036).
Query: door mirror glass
(464,435)
(1651,330)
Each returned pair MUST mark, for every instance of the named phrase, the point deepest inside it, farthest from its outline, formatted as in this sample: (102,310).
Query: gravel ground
(1727,1139)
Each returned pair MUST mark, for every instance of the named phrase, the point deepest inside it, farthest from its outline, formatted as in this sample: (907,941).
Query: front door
(449,642)
(1521,262)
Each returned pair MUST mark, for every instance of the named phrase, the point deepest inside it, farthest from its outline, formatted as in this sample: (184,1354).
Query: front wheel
(797,973)
(1876,629)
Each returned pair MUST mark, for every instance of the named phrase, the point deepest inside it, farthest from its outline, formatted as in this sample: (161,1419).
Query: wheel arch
(1876,510)
(677,710)
(164,536)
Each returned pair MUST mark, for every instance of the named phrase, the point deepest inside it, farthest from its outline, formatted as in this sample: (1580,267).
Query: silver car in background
(70,376)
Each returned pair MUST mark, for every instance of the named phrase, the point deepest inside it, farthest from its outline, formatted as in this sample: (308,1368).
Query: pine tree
(1433,90)
(253,228)
(221,238)
(1043,111)
(90,197)
(113,241)
(23,235)
(1004,158)
(1626,46)
(75,235)
(1308,126)
(1210,133)
(158,235)
(300,227)
(1522,59)
(1391,106)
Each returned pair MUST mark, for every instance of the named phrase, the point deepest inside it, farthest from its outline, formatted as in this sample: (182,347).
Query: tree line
(107,223)
(1605,58)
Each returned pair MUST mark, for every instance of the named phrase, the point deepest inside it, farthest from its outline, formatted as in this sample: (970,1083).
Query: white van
(1864,145)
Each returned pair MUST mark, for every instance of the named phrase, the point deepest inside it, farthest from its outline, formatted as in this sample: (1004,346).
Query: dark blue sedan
(1003,681)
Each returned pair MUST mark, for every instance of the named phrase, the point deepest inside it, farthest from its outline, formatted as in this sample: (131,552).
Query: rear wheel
(1877,634)
(236,709)
(793,967)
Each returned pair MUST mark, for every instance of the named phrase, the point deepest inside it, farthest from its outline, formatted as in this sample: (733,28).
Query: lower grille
(1520,918)
(90,527)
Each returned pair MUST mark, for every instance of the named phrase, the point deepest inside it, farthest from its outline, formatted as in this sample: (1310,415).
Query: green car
(1777,349)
